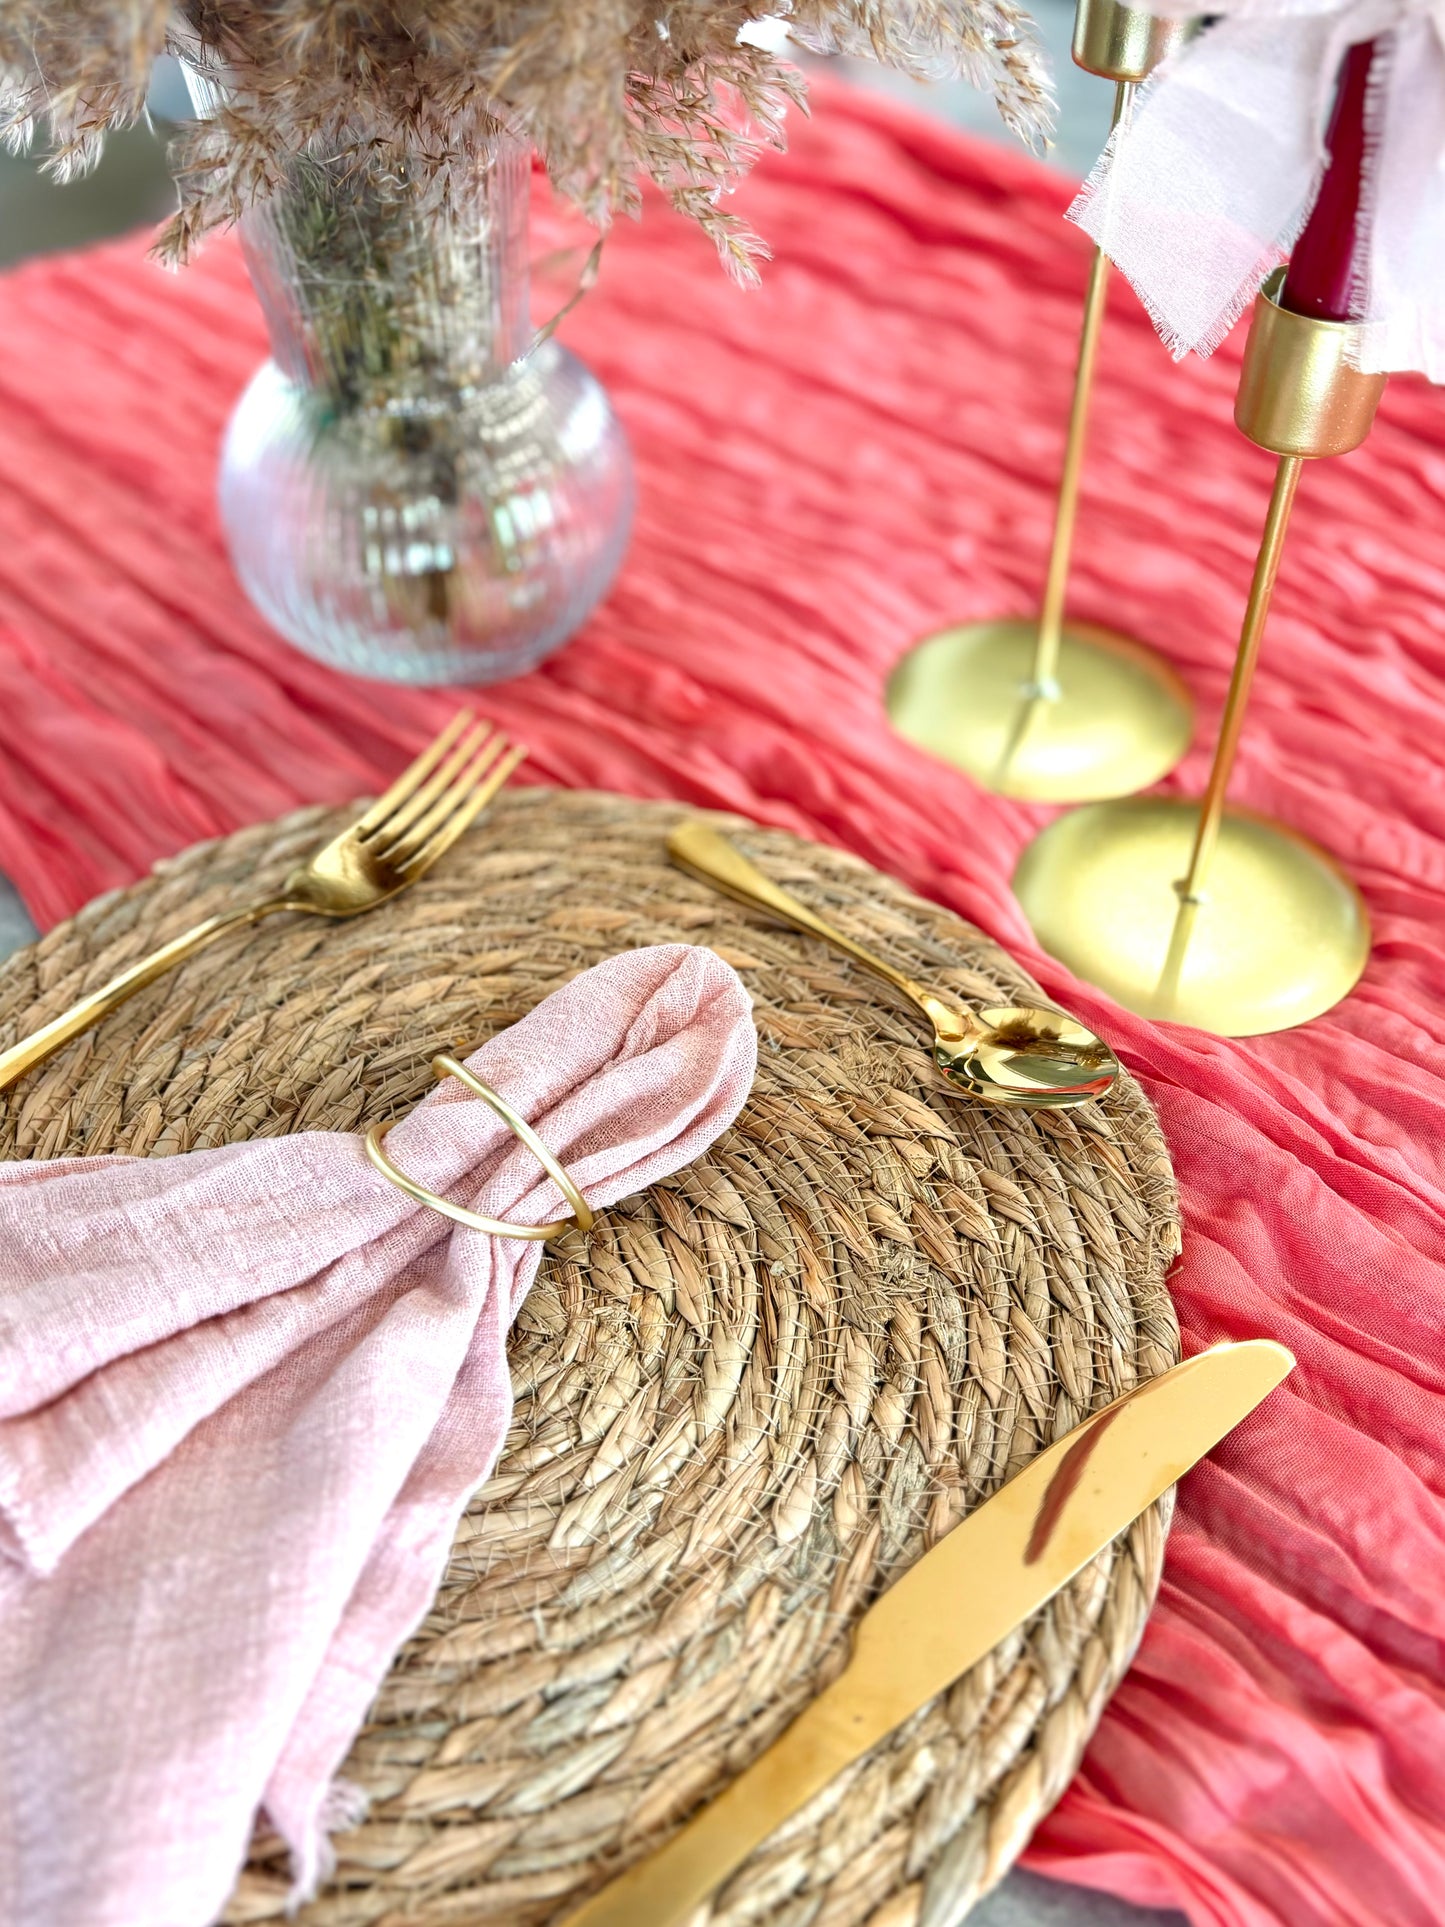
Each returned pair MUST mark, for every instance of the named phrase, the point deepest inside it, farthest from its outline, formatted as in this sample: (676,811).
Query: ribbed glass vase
(408,492)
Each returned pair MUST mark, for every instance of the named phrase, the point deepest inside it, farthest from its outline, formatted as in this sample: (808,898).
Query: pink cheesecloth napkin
(244,1396)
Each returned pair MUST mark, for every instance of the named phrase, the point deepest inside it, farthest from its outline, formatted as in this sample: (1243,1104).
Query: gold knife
(979,1582)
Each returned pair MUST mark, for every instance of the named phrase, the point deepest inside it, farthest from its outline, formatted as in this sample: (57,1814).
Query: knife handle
(1004,1561)
(664,1888)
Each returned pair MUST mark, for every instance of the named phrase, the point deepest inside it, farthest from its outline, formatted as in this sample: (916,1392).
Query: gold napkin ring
(582,1219)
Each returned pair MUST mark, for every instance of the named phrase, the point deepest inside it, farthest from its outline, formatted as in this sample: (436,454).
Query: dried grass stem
(610,92)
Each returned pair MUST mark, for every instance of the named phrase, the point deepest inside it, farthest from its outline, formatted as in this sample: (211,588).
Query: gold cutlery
(1013,1054)
(979,1582)
(385,851)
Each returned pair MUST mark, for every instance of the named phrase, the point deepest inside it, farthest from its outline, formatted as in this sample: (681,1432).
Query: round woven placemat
(747,1401)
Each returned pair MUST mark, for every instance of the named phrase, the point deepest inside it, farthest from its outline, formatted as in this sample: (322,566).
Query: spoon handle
(703,852)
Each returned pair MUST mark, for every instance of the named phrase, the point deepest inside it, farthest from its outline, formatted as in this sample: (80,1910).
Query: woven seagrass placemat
(747,1401)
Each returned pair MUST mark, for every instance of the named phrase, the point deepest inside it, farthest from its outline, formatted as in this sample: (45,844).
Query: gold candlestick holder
(1052,710)
(1187,910)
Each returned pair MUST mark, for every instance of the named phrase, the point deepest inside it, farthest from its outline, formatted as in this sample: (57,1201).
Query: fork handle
(72,1023)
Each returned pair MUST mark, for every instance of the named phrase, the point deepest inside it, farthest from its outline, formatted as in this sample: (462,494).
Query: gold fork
(397,841)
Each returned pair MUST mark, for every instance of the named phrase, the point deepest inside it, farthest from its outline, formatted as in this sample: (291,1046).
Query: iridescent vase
(410,488)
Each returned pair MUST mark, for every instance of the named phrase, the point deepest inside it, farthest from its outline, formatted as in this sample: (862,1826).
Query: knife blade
(985,1577)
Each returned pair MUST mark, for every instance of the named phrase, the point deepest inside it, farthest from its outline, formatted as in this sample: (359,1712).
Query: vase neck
(378,294)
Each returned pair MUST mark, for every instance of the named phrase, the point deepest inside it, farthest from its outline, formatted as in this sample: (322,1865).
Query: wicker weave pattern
(744,1403)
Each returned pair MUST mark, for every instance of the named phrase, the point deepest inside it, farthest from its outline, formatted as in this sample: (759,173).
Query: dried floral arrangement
(608,93)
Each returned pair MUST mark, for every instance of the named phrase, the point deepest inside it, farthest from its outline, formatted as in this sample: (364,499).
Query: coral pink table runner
(859,453)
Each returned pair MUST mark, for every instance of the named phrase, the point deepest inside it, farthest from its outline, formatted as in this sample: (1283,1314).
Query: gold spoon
(1017,1054)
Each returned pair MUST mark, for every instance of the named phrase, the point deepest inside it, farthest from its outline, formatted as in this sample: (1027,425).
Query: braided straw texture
(746,1402)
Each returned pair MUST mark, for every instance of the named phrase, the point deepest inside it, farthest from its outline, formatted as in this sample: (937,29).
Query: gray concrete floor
(16,927)
(132,187)
(1024,1900)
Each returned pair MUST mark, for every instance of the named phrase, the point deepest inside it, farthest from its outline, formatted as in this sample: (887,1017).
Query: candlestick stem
(1190,911)
(1035,706)
(1261,590)
(1044,680)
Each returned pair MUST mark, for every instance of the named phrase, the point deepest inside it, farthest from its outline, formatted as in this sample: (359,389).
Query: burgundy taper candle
(1321,277)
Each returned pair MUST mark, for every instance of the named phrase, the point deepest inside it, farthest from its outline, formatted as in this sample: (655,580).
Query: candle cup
(1119,42)
(1299,393)
(1042,708)
(1189,911)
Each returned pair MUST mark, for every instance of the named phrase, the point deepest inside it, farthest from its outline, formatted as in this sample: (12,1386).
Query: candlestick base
(1117,719)
(1280,935)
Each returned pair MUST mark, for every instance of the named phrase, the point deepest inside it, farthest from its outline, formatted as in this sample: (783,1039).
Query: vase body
(408,489)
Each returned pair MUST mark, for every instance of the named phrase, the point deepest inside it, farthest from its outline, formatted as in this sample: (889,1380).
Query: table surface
(860,452)
(34,216)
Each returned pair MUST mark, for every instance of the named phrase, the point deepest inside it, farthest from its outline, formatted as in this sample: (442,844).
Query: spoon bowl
(1024,1054)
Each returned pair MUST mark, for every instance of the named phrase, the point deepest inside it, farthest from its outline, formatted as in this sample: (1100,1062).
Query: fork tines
(431,803)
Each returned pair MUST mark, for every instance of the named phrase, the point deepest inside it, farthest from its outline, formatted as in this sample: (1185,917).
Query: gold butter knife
(979,1582)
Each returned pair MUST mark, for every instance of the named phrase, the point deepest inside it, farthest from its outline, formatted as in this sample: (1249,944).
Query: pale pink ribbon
(244,1396)
(1208,185)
